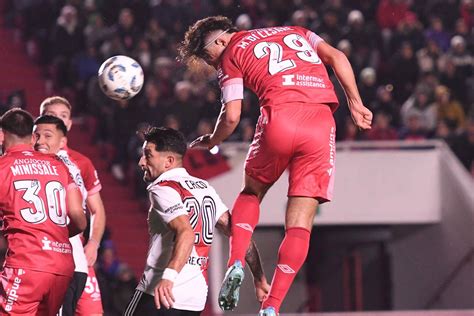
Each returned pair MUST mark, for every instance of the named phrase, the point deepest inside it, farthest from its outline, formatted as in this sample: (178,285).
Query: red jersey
(279,64)
(33,190)
(88,171)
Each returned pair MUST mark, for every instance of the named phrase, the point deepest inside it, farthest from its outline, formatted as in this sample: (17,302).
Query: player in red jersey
(36,197)
(285,67)
(84,256)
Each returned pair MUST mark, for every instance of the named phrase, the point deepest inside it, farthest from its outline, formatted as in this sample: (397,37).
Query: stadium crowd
(413,61)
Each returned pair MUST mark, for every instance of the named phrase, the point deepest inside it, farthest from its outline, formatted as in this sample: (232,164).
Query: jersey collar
(170,174)
(20,147)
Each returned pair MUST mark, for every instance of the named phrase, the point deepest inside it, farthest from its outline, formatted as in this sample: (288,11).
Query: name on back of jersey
(260,34)
(22,167)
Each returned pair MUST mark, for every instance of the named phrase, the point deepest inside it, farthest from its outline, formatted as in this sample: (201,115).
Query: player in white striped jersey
(184,211)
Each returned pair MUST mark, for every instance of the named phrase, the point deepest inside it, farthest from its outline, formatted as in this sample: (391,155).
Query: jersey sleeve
(313,39)
(230,79)
(167,202)
(91,178)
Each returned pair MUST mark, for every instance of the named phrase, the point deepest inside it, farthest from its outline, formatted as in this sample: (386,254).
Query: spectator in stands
(127,31)
(67,40)
(367,85)
(391,12)
(428,57)
(381,130)
(404,71)
(437,33)
(448,108)
(461,58)
(330,28)
(420,103)
(413,130)
(409,29)
(384,102)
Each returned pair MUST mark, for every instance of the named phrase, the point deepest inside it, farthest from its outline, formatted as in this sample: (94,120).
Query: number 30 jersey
(279,64)
(33,188)
(173,194)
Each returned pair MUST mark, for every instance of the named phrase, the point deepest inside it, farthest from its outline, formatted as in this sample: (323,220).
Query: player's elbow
(78,223)
(188,236)
(335,58)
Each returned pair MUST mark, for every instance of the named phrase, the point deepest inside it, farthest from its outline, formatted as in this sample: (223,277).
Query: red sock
(244,218)
(291,256)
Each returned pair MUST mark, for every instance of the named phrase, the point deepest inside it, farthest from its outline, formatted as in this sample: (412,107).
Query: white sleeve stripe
(233,81)
(314,39)
(232,92)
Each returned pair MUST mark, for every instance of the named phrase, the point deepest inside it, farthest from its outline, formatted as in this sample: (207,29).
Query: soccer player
(84,256)
(181,220)
(285,67)
(37,195)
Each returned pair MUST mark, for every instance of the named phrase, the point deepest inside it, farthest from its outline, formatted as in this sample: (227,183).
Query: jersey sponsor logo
(27,153)
(332,149)
(288,80)
(198,261)
(174,208)
(12,296)
(245,226)
(286,269)
(56,246)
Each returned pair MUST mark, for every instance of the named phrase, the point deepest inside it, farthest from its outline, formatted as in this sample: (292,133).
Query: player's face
(48,139)
(60,111)
(152,162)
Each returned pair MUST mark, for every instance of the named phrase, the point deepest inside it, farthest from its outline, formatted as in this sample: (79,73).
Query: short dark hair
(166,139)
(192,47)
(17,122)
(49,119)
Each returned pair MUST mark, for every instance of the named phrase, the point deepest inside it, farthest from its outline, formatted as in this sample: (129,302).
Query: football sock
(245,215)
(291,256)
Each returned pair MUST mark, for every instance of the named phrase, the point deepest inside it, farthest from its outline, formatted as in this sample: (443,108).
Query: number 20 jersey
(279,64)
(173,194)
(33,190)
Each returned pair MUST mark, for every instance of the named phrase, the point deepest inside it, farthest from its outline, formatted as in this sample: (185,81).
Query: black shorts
(144,304)
(73,294)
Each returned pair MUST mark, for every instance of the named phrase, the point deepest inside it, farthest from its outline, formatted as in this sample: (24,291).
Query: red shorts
(29,292)
(299,137)
(90,302)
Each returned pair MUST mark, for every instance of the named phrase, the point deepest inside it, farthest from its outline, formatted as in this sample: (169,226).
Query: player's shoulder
(79,158)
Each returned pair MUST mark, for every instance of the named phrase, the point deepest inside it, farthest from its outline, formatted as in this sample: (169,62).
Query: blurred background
(400,233)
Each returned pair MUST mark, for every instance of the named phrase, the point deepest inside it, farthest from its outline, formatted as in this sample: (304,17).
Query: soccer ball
(120,77)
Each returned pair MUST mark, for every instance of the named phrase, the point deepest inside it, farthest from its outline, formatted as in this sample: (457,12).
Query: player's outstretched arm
(183,246)
(77,218)
(96,207)
(227,121)
(342,68)
(252,257)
